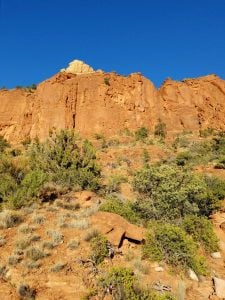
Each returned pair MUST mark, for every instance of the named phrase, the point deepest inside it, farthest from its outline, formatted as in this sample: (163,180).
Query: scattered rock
(219,285)
(216,255)
(192,275)
(159,269)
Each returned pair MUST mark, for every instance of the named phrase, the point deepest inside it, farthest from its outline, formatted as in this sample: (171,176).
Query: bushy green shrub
(65,162)
(141,134)
(201,229)
(61,161)
(171,244)
(124,209)
(123,285)
(99,248)
(168,192)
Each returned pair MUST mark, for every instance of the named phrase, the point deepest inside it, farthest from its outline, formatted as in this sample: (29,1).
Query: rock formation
(97,102)
(78,67)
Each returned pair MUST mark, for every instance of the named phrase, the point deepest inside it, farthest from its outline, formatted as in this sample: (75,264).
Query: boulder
(216,255)
(116,228)
(192,275)
(219,285)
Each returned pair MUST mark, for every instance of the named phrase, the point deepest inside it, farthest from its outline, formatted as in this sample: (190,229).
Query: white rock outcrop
(78,67)
(219,285)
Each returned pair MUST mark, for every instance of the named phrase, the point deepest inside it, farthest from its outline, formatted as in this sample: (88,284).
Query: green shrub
(65,162)
(124,209)
(124,285)
(201,229)
(141,134)
(99,248)
(168,192)
(171,244)
(183,157)
(160,129)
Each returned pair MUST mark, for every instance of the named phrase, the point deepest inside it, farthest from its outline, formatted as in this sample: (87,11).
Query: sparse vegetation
(160,129)
(9,219)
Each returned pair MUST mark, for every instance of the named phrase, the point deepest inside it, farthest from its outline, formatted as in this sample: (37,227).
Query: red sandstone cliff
(98,102)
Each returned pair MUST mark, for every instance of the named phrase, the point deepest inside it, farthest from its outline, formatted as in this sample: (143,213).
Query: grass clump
(73,244)
(58,267)
(23,243)
(9,219)
(35,254)
(38,219)
(99,248)
(26,292)
(91,234)
(201,229)
(173,245)
(25,229)
(14,260)
(79,224)
(57,237)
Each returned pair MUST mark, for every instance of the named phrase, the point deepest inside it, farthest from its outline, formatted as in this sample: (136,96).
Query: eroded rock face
(107,102)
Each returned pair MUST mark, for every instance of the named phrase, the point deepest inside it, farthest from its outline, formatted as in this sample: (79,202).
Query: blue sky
(160,38)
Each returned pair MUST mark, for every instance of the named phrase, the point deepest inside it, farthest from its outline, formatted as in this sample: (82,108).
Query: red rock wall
(88,104)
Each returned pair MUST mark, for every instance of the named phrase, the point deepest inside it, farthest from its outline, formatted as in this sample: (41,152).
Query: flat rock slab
(219,285)
(116,228)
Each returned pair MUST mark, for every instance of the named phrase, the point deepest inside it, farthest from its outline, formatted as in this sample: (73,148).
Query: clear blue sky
(159,38)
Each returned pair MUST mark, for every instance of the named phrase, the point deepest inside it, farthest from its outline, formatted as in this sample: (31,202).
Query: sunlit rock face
(78,67)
